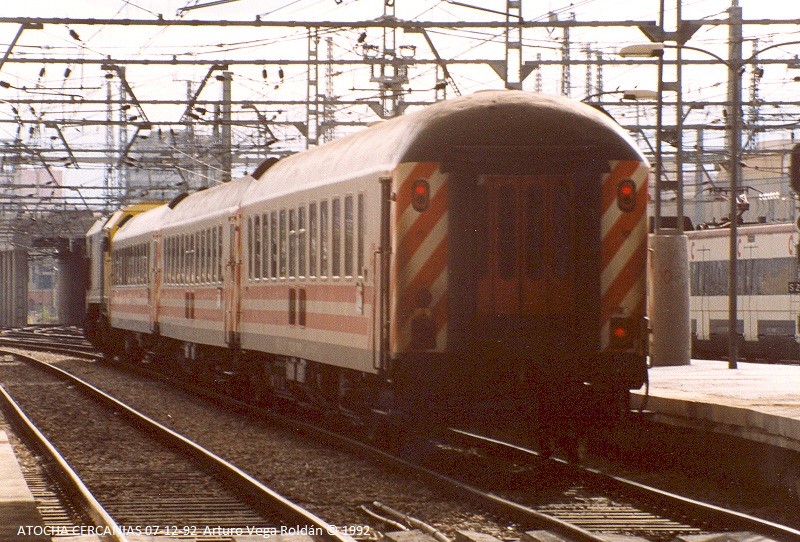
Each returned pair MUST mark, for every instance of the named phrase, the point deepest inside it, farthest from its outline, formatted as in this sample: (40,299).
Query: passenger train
(486,252)
(768,292)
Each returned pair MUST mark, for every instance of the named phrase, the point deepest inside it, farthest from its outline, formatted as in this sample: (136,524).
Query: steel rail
(712,514)
(66,475)
(516,511)
(708,513)
(264,498)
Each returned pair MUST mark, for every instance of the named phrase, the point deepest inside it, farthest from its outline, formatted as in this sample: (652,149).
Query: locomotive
(483,254)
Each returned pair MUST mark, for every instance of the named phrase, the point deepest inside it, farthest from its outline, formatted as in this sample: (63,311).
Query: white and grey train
(768,291)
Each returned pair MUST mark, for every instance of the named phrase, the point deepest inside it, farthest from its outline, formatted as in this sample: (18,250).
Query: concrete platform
(17,505)
(759,402)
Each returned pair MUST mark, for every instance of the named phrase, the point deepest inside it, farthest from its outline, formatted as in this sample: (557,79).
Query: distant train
(487,252)
(768,293)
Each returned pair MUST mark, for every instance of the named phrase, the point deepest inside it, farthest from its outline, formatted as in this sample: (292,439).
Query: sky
(273,80)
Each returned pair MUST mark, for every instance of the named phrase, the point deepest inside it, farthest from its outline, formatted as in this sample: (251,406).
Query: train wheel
(258,382)
(132,350)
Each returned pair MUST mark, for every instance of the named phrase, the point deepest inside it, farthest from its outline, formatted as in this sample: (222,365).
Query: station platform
(17,504)
(755,401)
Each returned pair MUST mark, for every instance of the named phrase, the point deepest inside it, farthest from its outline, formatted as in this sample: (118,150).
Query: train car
(487,250)
(767,294)
(98,252)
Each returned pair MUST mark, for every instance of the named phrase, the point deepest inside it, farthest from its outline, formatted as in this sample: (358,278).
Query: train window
(506,234)
(250,243)
(209,257)
(534,230)
(168,260)
(282,245)
(301,241)
(179,269)
(192,255)
(563,259)
(187,259)
(292,243)
(312,239)
(175,259)
(255,255)
(264,246)
(323,240)
(206,256)
(164,262)
(219,254)
(361,236)
(273,243)
(349,234)
(198,256)
(336,237)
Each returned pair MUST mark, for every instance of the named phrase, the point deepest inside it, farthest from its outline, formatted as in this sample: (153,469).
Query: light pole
(734,64)
(669,315)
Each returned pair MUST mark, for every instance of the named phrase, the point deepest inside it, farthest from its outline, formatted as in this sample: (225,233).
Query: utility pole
(513,44)
(312,90)
(328,110)
(566,75)
(734,146)
(391,73)
(108,174)
(225,135)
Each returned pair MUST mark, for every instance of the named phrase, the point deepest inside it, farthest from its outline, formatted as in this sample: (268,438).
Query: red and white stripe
(623,247)
(420,248)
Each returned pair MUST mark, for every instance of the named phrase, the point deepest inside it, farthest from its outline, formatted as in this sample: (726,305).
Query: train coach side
(768,304)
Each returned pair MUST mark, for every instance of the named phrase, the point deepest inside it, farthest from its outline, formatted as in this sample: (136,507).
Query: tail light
(420,195)
(624,333)
(626,195)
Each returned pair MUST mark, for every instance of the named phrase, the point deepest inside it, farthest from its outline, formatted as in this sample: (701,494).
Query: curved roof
(142,224)
(220,200)
(486,118)
(533,123)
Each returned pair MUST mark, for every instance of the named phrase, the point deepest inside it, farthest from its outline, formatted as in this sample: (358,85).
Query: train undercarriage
(508,400)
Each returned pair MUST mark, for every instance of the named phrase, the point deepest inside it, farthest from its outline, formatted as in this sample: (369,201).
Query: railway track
(145,478)
(581,504)
(604,503)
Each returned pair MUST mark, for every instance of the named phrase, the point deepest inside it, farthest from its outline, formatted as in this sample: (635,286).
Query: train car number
(794,287)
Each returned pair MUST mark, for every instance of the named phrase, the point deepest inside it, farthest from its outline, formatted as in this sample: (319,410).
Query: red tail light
(626,195)
(623,332)
(420,195)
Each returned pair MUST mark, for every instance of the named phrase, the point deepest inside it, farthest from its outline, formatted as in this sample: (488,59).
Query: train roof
(742,229)
(109,222)
(488,119)
(143,224)
(221,200)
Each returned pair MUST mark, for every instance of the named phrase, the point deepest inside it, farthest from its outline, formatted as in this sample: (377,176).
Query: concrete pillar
(669,300)
(71,286)
(13,286)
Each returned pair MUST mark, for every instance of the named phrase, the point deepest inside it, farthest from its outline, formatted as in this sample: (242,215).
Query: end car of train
(487,250)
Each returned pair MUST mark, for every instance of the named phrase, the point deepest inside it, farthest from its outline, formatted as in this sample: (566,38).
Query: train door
(529,246)
(154,284)
(231,280)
